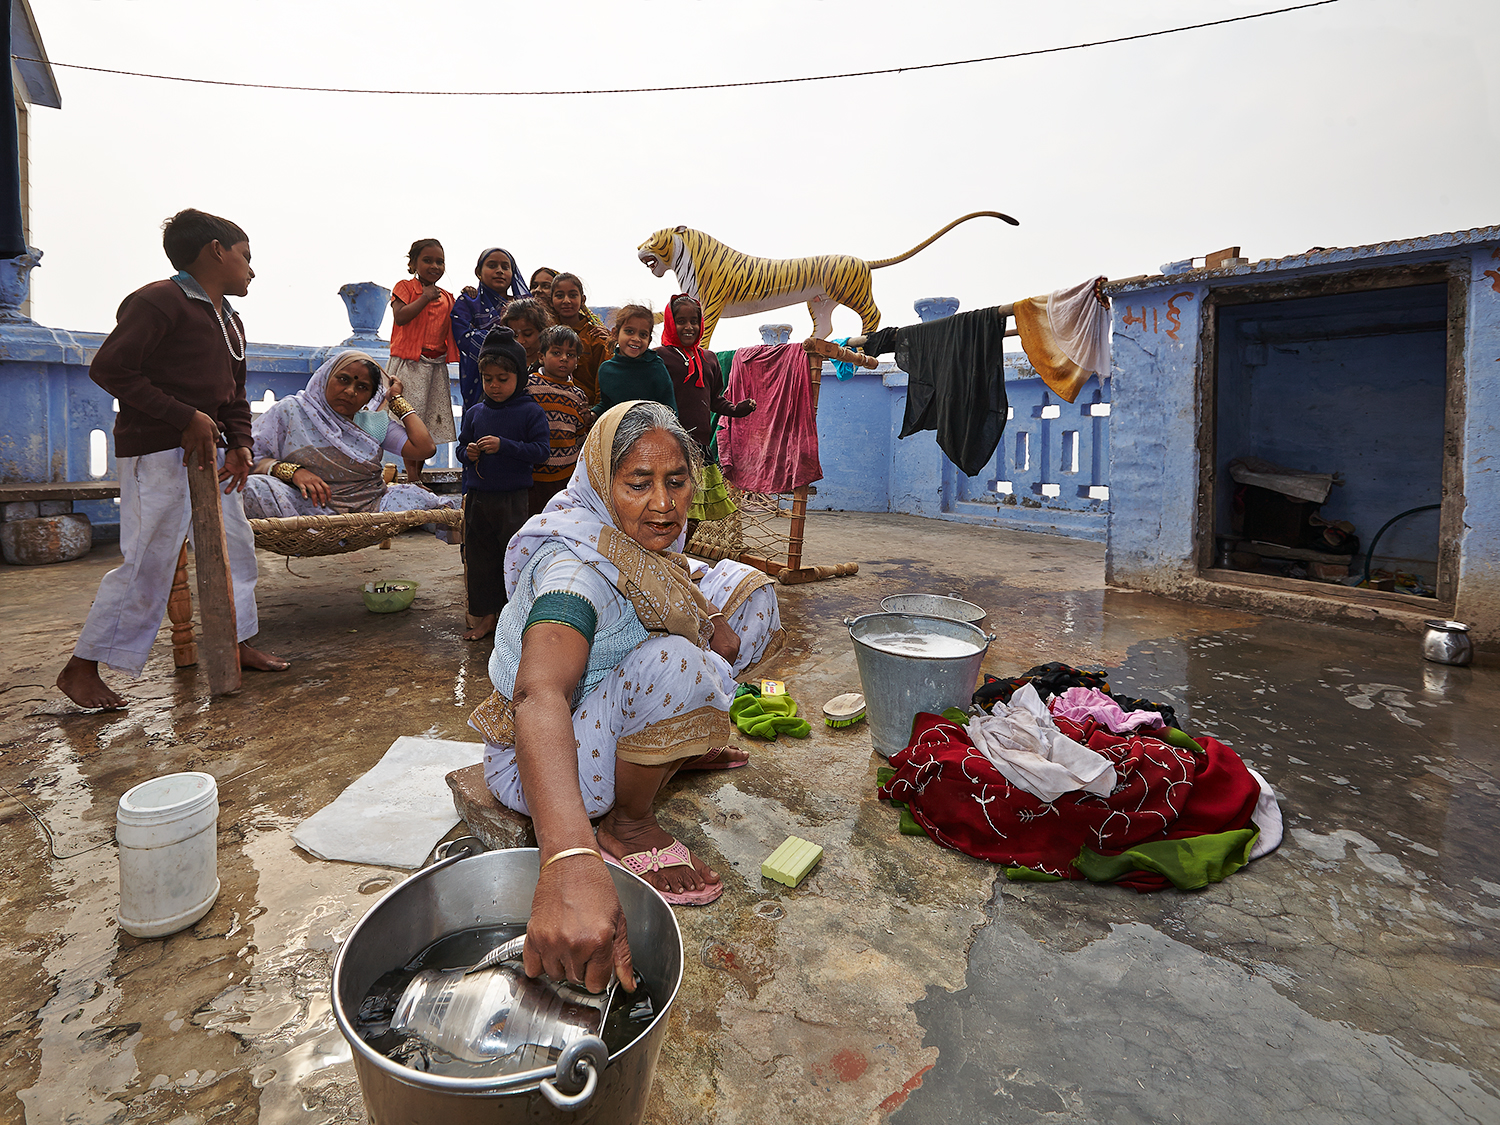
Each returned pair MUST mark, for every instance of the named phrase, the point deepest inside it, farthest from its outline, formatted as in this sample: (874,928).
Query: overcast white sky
(1356,122)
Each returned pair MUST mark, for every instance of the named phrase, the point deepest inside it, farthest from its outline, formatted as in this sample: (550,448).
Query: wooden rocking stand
(794,572)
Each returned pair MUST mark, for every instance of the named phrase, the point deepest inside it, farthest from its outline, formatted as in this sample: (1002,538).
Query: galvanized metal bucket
(952,607)
(492,889)
(897,686)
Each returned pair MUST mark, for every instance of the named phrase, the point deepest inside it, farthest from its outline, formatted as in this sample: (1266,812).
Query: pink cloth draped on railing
(774,449)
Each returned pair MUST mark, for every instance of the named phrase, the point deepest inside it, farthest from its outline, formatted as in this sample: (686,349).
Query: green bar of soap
(791,862)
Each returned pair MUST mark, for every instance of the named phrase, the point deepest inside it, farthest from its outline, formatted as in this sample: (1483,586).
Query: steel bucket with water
(495,889)
(897,685)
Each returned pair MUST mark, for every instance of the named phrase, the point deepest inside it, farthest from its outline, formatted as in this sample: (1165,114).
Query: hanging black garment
(956,384)
(880,342)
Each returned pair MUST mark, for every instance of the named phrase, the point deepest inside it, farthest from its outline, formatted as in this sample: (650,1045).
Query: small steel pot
(1447,642)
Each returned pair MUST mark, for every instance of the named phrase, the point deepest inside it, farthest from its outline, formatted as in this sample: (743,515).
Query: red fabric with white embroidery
(1164,793)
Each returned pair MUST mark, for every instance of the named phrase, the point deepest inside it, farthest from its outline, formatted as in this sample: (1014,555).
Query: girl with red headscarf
(699,386)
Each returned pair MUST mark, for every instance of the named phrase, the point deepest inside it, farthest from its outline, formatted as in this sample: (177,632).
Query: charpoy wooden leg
(180,613)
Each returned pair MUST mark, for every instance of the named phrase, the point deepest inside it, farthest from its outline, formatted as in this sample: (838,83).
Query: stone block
(46,539)
(54,507)
(498,826)
(19,510)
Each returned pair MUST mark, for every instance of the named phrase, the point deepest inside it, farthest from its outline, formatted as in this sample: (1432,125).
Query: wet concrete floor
(1350,976)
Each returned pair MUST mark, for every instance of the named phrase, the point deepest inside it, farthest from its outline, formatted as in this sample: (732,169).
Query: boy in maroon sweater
(176,363)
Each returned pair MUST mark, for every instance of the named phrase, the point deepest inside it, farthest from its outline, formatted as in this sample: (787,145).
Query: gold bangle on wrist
(566,852)
(400,407)
(285,470)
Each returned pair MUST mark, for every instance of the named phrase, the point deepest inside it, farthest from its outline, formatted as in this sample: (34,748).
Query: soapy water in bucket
(920,644)
(628,1017)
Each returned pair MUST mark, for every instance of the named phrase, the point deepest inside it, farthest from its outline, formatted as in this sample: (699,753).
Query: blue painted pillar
(775,333)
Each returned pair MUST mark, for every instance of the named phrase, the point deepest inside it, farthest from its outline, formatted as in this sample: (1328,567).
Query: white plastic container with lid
(169,857)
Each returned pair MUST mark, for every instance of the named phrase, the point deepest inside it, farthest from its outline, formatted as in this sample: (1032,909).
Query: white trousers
(155,516)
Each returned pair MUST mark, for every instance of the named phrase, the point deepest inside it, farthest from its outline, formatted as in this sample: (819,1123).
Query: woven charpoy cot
(310,536)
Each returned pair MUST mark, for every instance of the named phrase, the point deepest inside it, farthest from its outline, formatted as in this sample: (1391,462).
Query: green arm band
(562,608)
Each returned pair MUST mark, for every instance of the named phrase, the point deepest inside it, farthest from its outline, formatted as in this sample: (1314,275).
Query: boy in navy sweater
(500,440)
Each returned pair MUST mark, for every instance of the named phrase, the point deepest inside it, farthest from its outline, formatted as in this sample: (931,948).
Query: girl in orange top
(422,343)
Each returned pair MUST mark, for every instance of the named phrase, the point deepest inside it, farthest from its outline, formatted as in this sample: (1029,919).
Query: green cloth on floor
(909,824)
(957,716)
(1174,737)
(1189,864)
(1030,875)
(766,716)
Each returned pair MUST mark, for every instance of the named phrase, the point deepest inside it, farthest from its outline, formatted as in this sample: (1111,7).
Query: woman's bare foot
(79,681)
(717,758)
(258,661)
(482,627)
(621,837)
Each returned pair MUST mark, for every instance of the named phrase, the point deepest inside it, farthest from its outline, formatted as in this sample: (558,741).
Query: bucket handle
(468,845)
(578,1066)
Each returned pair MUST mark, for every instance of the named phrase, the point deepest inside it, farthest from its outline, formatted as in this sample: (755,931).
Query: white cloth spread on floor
(396,813)
(1080,323)
(1024,744)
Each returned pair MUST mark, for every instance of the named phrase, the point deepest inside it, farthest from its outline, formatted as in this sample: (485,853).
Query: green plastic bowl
(396,595)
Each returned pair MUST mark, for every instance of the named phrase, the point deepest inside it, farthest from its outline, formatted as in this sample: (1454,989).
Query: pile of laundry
(1055,777)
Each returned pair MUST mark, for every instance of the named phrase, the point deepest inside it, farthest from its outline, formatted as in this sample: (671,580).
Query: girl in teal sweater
(635,371)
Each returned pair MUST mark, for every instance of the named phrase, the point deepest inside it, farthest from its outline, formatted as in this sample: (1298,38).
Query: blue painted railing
(1050,473)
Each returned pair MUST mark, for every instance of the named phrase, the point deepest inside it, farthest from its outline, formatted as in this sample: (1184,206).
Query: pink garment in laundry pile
(776,448)
(1080,703)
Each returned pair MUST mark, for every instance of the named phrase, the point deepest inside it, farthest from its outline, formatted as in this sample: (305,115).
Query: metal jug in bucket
(910,663)
(493,1011)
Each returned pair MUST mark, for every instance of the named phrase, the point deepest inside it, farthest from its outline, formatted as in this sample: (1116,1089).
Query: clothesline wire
(682,89)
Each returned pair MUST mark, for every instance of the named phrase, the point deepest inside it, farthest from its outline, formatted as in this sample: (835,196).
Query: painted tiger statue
(728,283)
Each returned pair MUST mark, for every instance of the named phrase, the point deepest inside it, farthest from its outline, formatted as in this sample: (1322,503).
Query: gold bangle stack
(285,470)
(400,407)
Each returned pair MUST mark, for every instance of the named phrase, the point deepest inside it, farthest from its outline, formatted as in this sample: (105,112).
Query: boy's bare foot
(482,627)
(621,837)
(79,681)
(258,661)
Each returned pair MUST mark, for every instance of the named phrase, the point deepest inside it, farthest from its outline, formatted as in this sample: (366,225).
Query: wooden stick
(765,566)
(180,613)
(826,349)
(816,573)
(220,649)
(1003,311)
(799,494)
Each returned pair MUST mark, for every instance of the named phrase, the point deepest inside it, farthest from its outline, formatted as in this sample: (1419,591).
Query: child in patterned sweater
(567,409)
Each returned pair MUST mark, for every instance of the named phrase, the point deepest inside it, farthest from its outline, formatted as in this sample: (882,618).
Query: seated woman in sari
(614,666)
(318,452)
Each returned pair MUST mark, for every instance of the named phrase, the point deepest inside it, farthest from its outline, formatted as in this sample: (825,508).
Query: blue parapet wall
(55,421)
(1050,473)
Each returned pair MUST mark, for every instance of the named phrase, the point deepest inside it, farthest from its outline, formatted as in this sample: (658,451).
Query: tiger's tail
(923,245)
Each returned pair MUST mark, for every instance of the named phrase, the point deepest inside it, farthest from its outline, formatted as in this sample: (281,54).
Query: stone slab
(46,539)
(498,826)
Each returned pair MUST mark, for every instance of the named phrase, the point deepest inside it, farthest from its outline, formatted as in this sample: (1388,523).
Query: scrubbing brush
(844,710)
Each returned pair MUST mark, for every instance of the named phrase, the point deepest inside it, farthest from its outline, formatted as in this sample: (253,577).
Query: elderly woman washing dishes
(318,452)
(614,665)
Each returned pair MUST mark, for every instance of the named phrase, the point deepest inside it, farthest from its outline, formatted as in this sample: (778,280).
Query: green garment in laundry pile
(766,716)
(1189,864)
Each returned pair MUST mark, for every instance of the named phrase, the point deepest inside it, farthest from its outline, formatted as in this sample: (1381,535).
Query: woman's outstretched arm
(577,927)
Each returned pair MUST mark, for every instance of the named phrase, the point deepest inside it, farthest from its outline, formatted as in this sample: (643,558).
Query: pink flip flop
(674,854)
(712,759)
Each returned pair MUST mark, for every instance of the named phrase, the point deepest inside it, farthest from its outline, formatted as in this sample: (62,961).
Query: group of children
(535,368)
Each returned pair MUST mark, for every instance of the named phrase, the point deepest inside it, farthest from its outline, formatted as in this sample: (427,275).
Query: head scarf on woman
(304,429)
(582,516)
(693,356)
(518,286)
